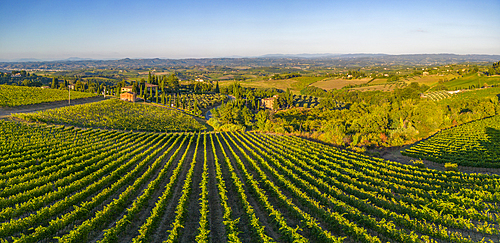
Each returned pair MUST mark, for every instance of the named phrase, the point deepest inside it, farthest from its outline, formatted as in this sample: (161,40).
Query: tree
(135,87)
(196,109)
(156,95)
(262,117)
(288,97)
(276,104)
(173,83)
(142,86)
(55,83)
(216,90)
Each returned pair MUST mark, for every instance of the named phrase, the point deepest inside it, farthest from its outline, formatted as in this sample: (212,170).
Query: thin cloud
(420,30)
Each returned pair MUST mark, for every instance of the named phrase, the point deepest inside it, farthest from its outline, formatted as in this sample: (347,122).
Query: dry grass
(379,81)
(329,84)
(381,87)
(155,73)
(430,79)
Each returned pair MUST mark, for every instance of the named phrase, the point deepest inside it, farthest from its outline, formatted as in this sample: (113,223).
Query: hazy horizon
(56,30)
(272,55)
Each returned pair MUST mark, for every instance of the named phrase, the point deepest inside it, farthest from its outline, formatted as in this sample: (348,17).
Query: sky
(108,29)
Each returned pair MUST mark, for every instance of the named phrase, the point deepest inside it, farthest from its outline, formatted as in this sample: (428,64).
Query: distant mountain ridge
(332,60)
(319,55)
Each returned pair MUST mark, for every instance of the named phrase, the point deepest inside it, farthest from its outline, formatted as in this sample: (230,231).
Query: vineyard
(193,103)
(11,95)
(437,95)
(472,144)
(117,114)
(306,101)
(69,184)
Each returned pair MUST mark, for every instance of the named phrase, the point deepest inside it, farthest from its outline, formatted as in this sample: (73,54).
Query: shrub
(451,166)
(418,163)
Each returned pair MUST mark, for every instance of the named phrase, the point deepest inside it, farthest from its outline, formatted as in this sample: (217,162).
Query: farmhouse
(148,87)
(127,89)
(128,96)
(268,103)
(151,86)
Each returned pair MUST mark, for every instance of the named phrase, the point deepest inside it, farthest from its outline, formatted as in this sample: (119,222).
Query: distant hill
(339,60)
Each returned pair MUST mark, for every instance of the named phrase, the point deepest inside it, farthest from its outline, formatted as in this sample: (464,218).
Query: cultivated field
(328,84)
(20,95)
(472,80)
(278,84)
(117,114)
(75,185)
(472,144)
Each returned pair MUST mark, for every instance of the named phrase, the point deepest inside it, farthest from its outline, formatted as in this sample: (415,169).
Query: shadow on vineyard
(491,143)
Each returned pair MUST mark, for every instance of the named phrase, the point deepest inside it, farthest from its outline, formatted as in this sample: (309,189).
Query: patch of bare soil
(394,154)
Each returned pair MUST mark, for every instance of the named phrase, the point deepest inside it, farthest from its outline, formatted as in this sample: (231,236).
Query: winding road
(208,115)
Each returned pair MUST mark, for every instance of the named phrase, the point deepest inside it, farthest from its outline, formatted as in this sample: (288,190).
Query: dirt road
(394,154)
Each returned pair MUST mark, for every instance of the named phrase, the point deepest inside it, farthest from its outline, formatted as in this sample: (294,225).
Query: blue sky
(48,29)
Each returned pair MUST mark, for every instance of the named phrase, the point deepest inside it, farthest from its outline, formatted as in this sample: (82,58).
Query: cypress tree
(156,95)
(54,83)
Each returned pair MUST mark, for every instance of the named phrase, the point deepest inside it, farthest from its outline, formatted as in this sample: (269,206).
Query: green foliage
(93,185)
(238,91)
(437,95)
(285,76)
(471,81)
(194,103)
(18,95)
(385,119)
(472,144)
(451,166)
(235,112)
(418,163)
(494,69)
(314,91)
(303,82)
(117,114)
